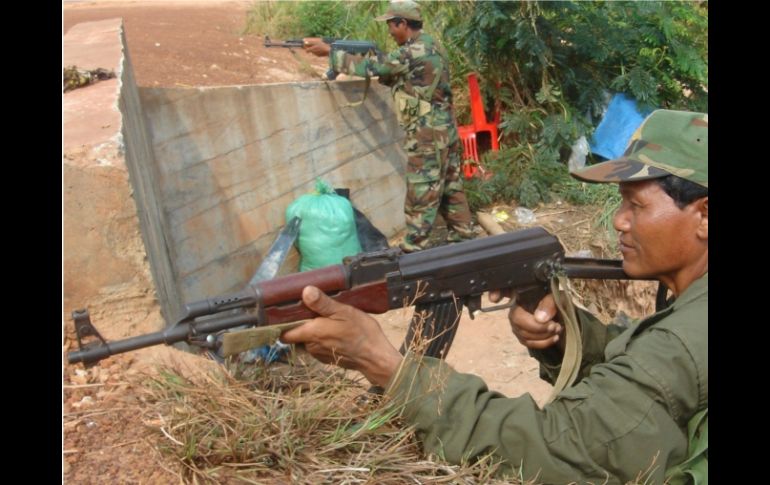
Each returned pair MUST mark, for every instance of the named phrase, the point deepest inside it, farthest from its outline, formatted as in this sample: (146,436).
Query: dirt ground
(196,44)
(202,44)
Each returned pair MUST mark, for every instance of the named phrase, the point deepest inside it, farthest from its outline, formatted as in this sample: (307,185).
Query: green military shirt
(630,405)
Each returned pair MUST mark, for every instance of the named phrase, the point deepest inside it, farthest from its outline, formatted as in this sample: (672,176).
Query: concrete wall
(213,169)
(230,160)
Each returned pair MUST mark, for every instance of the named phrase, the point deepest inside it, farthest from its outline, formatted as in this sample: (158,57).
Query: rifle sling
(573,350)
(313,72)
(366,91)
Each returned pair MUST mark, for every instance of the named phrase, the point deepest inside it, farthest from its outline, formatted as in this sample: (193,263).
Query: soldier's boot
(460,232)
(414,242)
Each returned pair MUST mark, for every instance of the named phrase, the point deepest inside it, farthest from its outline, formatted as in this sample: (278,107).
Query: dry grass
(310,423)
(273,18)
(616,299)
(304,423)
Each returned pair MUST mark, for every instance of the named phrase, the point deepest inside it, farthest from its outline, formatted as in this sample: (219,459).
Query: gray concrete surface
(212,170)
(232,159)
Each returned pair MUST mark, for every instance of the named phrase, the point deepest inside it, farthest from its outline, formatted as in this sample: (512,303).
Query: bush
(321,18)
(336,19)
(556,62)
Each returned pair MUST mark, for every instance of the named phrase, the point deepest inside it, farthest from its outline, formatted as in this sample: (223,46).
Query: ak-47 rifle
(291,43)
(363,47)
(349,46)
(438,282)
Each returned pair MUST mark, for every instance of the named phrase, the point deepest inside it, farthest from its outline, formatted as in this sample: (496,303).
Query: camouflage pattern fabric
(667,143)
(73,77)
(432,144)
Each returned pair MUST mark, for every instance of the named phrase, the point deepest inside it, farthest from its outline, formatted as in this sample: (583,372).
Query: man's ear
(702,206)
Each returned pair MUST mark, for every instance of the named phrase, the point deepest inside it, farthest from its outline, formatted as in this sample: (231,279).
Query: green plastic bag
(328,229)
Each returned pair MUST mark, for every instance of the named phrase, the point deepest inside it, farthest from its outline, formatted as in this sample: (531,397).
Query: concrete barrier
(212,170)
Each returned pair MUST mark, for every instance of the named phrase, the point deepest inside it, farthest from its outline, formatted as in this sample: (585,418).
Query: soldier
(639,405)
(418,74)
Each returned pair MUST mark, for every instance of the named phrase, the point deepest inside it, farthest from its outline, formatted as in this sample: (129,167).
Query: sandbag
(328,229)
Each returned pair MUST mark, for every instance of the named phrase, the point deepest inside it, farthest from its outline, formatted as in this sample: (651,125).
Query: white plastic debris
(524,215)
(583,253)
(577,158)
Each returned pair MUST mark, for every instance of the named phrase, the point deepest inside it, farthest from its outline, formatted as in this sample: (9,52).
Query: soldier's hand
(538,330)
(316,46)
(345,336)
(497,295)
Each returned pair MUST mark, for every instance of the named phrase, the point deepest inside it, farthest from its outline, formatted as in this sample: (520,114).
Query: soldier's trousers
(433,185)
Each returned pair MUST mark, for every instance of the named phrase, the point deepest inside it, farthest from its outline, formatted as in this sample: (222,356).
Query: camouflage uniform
(74,78)
(424,108)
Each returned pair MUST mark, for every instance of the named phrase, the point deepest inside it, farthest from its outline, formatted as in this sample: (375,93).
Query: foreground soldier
(418,74)
(639,388)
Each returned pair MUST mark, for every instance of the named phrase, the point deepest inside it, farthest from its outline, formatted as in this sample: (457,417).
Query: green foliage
(317,19)
(515,176)
(557,62)
(273,18)
(505,168)
(336,19)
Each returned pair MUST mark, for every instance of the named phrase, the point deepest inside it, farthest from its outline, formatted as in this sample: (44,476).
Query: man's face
(398,31)
(656,237)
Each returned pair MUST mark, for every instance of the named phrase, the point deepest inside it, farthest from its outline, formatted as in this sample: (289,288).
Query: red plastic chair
(470,151)
(478,115)
(468,133)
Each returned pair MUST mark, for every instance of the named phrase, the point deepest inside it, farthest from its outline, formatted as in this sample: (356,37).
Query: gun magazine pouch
(409,108)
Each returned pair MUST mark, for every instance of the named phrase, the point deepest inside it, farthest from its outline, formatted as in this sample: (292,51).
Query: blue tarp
(622,118)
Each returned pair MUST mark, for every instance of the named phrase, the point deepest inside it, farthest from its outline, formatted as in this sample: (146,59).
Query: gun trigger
(511,304)
(474,305)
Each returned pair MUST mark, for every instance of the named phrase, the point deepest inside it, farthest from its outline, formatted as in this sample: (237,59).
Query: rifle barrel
(591,268)
(169,336)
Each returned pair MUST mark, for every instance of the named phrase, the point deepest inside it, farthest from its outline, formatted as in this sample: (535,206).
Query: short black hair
(683,191)
(412,24)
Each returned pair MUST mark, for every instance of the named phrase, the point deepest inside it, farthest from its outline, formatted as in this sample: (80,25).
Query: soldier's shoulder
(426,40)
(426,45)
(689,324)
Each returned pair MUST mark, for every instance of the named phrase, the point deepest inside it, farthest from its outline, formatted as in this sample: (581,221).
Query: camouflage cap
(406,9)
(667,143)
